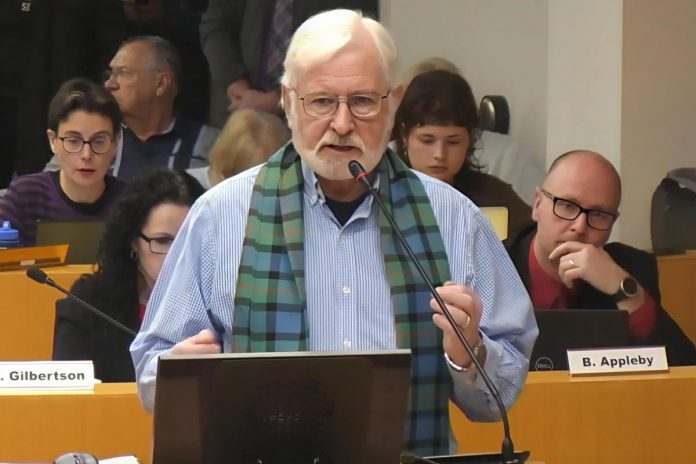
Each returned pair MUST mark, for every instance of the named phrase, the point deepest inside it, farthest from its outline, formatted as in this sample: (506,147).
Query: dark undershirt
(343,210)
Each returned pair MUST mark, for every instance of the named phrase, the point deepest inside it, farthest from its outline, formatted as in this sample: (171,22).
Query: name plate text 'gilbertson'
(47,375)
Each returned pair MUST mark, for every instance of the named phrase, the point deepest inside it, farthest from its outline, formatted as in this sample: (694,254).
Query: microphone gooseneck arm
(508,449)
(37,275)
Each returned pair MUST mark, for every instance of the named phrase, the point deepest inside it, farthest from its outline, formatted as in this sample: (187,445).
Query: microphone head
(356,169)
(36,274)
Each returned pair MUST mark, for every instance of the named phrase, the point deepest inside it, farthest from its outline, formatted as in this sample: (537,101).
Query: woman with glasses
(138,235)
(436,132)
(84,122)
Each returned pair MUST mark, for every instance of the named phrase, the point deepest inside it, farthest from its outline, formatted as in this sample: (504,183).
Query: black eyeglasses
(569,210)
(158,245)
(98,145)
(323,105)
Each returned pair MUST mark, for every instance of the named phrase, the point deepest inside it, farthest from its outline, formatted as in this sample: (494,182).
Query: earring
(133,255)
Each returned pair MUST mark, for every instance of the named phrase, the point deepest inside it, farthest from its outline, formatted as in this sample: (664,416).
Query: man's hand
(202,343)
(466,309)
(589,263)
(267,102)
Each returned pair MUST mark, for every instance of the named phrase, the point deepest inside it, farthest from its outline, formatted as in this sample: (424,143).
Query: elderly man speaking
(293,255)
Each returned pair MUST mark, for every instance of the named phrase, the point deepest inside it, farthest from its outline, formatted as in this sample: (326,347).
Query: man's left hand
(466,309)
(268,102)
(589,263)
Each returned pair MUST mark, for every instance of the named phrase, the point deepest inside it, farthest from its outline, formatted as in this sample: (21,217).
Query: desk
(636,418)
(614,419)
(678,288)
(107,422)
(27,312)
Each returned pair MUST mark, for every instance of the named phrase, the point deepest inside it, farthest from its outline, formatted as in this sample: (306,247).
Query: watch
(628,288)
(480,352)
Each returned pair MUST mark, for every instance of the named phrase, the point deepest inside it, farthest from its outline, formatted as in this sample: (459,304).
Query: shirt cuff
(641,322)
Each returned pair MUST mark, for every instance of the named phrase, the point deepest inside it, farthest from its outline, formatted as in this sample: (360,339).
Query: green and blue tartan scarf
(270,301)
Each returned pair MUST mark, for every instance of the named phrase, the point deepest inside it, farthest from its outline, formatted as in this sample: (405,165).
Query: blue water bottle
(9,237)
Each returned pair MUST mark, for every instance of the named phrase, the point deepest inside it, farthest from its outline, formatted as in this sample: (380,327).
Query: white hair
(324,34)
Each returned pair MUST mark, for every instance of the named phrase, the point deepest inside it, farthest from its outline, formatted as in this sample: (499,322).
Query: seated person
(565,262)
(248,139)
(437,127)
(138,235)
(144,78)
(499,154)
(83,131)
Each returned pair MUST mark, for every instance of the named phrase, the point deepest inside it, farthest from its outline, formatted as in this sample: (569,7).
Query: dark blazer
(487,190)
(233,32)
(82,335)
(643,267)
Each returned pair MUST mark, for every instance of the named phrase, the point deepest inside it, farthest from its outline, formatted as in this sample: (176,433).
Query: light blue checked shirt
(348,297)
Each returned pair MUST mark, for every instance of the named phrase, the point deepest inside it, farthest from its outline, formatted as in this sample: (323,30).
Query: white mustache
(332,138)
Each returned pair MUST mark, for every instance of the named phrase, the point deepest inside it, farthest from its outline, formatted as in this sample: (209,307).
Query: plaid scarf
(270,301)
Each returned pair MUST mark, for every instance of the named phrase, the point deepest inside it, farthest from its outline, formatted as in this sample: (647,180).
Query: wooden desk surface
(678,288)
(107,422)
(614,419)
(27,312)
(609,419)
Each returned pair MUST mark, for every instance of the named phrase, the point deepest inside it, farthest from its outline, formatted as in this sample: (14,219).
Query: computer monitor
(281,408)
(83,238)
(564,329)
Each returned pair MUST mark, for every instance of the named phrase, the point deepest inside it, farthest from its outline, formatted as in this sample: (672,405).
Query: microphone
(508,449)
(36,274)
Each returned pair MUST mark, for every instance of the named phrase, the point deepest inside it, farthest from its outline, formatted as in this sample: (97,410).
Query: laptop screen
(281,407)
(564,329)
(83,238)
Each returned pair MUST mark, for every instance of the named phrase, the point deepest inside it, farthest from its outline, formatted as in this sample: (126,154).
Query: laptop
(564,329)
(83,237)
(281,408)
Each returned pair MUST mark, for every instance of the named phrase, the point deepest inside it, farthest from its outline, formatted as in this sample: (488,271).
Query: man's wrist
(480,352)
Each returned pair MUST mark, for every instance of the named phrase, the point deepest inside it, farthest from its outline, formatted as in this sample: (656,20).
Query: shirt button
(346,290)
(342,238)
(346,343)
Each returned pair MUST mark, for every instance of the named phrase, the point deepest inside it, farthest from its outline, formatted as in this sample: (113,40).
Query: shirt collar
(313,189)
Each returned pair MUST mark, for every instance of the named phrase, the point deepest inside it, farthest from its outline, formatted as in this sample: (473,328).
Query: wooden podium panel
(611,419)
(107,422)
(678,288)
(27,312)
(641,419)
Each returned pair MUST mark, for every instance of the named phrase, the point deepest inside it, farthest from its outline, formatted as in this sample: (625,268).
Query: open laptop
(83,237)
(564,329)
(281,408)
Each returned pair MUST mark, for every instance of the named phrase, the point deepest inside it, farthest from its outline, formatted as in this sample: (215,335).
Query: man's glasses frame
(569,210)
(332,102)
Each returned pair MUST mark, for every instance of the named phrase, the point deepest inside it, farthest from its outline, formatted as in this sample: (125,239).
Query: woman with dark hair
(138,235)
(84,123)
(437,130)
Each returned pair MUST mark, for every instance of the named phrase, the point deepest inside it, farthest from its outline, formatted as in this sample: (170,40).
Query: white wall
(499,45)
(659,103)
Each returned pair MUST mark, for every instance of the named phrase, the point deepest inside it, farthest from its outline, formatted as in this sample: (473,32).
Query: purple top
(39,196)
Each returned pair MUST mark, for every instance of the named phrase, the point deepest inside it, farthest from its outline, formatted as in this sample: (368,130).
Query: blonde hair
(434,63)
(248,138)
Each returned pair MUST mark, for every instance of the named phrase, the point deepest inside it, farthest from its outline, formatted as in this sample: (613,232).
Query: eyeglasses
(569,210)
(158,245)
(124,73)
(99,145)
(323,105)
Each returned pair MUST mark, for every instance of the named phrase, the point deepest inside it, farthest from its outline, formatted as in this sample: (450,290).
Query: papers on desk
(120,460)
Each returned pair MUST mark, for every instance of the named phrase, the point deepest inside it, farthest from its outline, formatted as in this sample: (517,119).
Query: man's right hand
(204,342)
(236,90)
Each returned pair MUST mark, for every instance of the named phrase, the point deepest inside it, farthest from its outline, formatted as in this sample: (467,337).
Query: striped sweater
(39,196)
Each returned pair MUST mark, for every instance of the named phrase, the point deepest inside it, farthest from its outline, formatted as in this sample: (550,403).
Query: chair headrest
(494,113)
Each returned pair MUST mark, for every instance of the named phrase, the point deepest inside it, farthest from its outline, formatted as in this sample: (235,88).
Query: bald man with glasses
(565,262)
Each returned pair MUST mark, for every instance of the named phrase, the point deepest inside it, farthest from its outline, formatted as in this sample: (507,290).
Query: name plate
(617,360)
(47,375)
